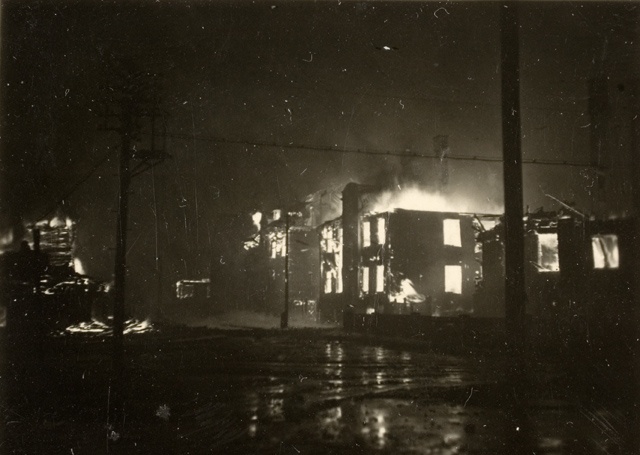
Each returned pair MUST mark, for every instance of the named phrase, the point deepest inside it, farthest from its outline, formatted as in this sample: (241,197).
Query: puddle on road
(391,425)
(364,400)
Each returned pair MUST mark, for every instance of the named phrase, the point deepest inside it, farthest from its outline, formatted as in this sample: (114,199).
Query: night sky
(312,74)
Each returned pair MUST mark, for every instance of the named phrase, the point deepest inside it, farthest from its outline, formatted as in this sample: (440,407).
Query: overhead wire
(374,152)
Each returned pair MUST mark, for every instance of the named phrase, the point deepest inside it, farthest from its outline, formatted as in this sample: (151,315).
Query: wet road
(319,392)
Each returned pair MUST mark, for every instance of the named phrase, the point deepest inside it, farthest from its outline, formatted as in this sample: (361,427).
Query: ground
(300,391)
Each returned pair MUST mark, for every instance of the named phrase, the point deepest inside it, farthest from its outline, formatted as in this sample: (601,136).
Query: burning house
(282,263)
(596,275)
(578,276)
(56,238)
(542,267)
(40,288)
(331,302)
(291,249)
(397,261)
(418,262)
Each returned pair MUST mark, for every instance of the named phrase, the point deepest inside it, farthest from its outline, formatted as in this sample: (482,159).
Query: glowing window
(327,282)
(548,252)
(329,245)
(365,279)
(380,278)
(339,281)
(453,279)
(366,233)
(605,251)
(451,230)
(382,231)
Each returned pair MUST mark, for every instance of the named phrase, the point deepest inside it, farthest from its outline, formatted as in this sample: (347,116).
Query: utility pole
(132,162)
(517,426)
(515,294)
(124,177)
(284,320)
(633,436)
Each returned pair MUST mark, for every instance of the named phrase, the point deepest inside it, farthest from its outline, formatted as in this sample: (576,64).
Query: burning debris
(406,293)
(189,289)
(95,327)
(45,286)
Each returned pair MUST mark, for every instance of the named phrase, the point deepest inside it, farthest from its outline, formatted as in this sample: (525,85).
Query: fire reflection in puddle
(374,426)
(334,352)
(333,368)
(330,423)
(253,404)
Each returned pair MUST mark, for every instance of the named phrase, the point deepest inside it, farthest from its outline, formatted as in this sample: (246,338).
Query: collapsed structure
(41,286)
(578,274)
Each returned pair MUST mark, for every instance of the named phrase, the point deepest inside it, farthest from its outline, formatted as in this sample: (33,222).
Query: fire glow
(257,218)
(407,293)
(78,267)
(420,199)
(6,239)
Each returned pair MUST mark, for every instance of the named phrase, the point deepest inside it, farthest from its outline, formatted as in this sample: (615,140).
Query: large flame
(417,198)
(58,221)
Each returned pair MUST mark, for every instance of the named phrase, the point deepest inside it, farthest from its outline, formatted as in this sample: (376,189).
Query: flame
(419,199)
(100,328)
(78,267)
(6,239)
(407,293)
(257,218)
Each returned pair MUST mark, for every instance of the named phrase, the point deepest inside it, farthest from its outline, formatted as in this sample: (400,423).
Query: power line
(374,152)
(77,185)
(371,152)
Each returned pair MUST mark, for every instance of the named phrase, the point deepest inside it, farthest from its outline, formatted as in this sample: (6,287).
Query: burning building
(292,265)
(542,267)
(56,238)
(397,261)
(418,262)
(331,271)
(596,275)
(282,263)
(578,276)
(40,289)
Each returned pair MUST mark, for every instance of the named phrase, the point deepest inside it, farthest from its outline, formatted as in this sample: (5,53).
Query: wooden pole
(117,387)
(284,322)
(515,294)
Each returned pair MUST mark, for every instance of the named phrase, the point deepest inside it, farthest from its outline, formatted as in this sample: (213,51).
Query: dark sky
(306,73)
